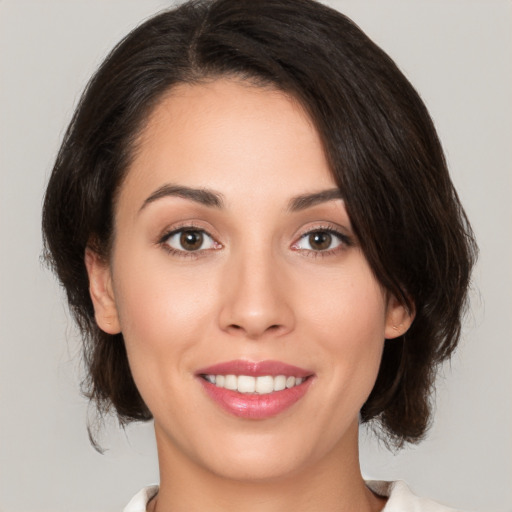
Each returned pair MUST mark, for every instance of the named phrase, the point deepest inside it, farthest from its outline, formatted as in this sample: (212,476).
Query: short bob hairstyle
(380,143)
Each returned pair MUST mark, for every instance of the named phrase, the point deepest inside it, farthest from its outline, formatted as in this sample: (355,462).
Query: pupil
(191,240)
(320,240)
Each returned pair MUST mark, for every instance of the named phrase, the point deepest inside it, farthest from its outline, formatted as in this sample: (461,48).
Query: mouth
(262,385)
(255,390)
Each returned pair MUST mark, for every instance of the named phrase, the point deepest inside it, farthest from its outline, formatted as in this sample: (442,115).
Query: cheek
(349,304)
(162,311)
(163,318)
(348,318)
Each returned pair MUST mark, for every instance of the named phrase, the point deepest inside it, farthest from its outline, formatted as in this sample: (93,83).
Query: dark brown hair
(380,142)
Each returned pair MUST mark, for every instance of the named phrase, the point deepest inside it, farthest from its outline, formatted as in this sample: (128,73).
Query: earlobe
(102,293)
(398,318)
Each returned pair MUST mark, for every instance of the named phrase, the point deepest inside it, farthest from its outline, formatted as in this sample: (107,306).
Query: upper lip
(255,369)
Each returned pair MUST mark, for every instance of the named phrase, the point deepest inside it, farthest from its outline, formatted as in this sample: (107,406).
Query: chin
(262,467)
(273,455)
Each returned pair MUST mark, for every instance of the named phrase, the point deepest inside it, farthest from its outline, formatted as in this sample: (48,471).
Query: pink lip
(254,406)
(255,369)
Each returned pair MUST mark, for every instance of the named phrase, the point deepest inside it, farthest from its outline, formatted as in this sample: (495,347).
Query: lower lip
(255,406)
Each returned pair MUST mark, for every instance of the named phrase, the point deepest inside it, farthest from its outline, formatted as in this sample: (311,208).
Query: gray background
(457,53)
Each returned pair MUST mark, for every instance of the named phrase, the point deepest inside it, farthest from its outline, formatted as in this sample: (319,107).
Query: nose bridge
(255,300)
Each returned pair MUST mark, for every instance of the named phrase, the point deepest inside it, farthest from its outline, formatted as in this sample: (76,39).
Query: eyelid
(185,226)
(333,229)
(192,225)
(180,232)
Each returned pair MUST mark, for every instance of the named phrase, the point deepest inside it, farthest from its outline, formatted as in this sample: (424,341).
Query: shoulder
(139,502)
(401,499)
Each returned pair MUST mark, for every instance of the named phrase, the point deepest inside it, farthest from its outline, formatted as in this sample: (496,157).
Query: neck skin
(332,484)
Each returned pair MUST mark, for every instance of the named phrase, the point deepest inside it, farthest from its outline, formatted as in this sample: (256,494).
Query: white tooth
(264,384)
(290,382)
(230,382)
(246,384)
(279,383)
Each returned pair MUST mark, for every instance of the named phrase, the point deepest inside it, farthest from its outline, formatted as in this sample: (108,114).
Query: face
(253,324)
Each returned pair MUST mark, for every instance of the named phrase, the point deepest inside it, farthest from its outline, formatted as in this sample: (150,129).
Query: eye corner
(334,239)
(199,242)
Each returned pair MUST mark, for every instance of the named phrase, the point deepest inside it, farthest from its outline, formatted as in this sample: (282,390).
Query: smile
(262,385)
(255,390)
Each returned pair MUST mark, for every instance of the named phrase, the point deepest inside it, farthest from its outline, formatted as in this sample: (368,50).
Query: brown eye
(191,240)
(320,241)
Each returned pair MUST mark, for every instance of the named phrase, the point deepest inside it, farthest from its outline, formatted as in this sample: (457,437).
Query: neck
(331,484)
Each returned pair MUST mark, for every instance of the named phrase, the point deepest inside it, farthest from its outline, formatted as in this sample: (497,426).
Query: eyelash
(345,241)
(164,239)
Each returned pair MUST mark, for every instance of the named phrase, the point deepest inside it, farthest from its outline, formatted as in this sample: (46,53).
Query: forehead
(229,136)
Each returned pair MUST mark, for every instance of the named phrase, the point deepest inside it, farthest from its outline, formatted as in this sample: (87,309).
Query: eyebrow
(215,199)
(199,195)
(305,201)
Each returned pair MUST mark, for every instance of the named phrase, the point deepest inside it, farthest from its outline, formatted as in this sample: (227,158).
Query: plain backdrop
(458,53)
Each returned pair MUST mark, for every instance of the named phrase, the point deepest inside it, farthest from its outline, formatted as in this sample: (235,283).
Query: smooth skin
(245,271)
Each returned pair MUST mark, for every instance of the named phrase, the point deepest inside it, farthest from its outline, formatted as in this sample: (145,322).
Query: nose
(256,298)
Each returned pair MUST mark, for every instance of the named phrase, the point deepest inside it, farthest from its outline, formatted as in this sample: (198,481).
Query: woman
(253,220)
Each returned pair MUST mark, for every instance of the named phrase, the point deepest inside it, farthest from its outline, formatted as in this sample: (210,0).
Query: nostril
(236,328)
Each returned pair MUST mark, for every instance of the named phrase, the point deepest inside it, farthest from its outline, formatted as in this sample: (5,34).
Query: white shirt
(400,499)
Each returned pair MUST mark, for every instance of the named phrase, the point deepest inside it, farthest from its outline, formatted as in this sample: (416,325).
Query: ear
(398,318)
(102,293)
